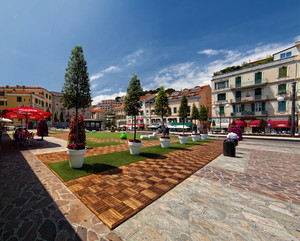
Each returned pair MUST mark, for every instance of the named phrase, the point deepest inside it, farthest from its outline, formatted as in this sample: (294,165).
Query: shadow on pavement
(27,211)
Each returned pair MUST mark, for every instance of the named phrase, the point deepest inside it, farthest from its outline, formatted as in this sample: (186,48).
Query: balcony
(249,99)
(249,84)
(250,113)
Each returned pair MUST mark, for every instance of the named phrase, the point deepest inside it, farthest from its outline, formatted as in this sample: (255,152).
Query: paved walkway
(223,201)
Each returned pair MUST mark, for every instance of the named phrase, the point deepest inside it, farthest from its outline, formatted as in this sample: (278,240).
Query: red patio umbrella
(25,112)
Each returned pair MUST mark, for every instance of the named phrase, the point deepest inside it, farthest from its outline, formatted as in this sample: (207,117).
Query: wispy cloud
(127,61)
(209,52)
(99,98)
(132,58)
(100,74)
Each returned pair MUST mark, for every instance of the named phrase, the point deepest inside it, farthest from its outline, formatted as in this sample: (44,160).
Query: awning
(255,123)
(240,123)
(140,125)
(280,124)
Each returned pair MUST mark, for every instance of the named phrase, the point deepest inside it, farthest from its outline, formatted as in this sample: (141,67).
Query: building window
(281,105)
(283,72)
(175,110)
(221,85)
(285,55)
(49,97)
(258,77)
(1,102)
(221,109)
(238,81)
(1,93)
(46,95)
(221,96)
(238,96)
(36,101)
(19,99)
(282,89)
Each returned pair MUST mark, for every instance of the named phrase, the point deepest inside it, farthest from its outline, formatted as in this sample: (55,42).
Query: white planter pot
(165,143)
(183,139)
(195,137)
(135,147)
(76,157)
(203,136)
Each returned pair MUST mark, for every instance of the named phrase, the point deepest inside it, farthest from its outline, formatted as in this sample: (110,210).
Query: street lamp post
(219,112)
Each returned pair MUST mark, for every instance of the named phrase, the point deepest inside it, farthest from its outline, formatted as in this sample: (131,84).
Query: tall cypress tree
(76,89)
(183,109)
(61,116)
(161,107)
(195,114)
(203,114)
(132,102)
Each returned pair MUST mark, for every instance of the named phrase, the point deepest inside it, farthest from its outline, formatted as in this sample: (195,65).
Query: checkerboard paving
(117,194)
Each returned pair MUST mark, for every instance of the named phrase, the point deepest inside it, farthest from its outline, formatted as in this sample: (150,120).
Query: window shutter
(263,106)
(252,107)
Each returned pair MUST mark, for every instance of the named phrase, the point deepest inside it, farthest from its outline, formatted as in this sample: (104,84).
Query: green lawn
(100,163)
(101,144)
(111,135)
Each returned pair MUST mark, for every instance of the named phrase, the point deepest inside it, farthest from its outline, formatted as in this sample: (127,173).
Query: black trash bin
(229,148)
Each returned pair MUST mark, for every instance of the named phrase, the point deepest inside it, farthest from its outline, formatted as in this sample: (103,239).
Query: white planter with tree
(76,94)
(162,108)
(132,104)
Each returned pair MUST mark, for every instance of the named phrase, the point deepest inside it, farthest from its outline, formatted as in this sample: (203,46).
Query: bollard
(229,148)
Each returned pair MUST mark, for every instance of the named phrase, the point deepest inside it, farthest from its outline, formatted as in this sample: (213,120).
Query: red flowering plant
(81,133)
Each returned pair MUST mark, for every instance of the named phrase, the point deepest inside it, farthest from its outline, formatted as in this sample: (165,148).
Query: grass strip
(104,162)
(112,135)
(101,144)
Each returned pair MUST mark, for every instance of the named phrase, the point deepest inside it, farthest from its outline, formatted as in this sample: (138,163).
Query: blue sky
(173,43)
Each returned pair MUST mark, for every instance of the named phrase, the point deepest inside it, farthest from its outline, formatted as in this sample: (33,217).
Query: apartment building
(257,90)
(57,107)
(16,96)
(199,95)
(107,105)
(120,116)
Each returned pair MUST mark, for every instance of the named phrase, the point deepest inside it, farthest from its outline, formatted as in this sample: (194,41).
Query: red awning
(141,125)
(255,123)
(280,124)
(240,123)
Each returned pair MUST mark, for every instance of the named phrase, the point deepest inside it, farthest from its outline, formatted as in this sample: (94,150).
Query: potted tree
(132,104)
(76,94)
(203,117)
(42,129)
(195,116)
(161,108)
(183,113)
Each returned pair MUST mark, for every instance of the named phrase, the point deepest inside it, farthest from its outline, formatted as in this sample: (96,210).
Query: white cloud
(209,52)
(99,98)
(132,58)
(189,74)
(100,74)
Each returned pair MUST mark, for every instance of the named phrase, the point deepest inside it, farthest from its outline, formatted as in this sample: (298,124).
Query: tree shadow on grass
(103,168)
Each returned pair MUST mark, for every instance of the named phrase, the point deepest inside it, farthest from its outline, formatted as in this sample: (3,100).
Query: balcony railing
(249,83)
(249,113)
(249,98)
